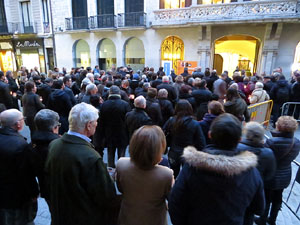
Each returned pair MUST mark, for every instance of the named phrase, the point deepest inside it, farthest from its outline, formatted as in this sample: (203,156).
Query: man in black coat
(68,83)
(79,186)
(5,97)
(217,184)
(113,126)
(45,89)
(47,126)
(172,95)
(202,96)
(153,108)
(137,117)
(19,190)
(60,102)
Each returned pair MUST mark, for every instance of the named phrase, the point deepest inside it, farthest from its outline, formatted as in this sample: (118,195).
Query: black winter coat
(167,109)
(135,119)
(154,111)
(285,148)
(205,125)
(44,90)
(190,99)
(216,187)
(60,102)
(31,104)
(201,95)
(17,179)
(172,94)
(188,134)
(5,97)
(277,98)
(295,92)
(112,122)
(40,141)
(238,108)
(266,159)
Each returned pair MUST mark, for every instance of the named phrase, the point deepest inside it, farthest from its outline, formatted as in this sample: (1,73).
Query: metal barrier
(297,179)
(261,112)
(291,109)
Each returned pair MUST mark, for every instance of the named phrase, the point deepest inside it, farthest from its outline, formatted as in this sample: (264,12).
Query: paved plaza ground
(285,217)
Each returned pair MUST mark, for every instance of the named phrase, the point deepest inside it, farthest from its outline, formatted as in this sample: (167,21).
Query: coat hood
(220,164)
(282,83)
(209,117)
(58,93)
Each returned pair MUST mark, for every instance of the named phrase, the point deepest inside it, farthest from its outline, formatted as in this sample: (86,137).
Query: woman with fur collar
(218,184)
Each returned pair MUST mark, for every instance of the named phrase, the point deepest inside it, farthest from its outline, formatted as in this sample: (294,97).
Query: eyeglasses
(23,118)
(58,125)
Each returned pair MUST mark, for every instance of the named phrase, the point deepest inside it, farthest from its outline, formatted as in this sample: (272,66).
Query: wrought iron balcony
(77,23)
(22,28)
(103,21)
(232,12)
(46,26)
(134,19)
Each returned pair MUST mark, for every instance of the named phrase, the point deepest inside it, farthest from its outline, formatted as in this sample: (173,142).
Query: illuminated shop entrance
(172,49)
(106,54)
(296,65)
(81,52)
(7,60)
(236,51)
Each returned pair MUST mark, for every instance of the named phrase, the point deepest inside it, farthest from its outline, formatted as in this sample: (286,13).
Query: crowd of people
(184,134)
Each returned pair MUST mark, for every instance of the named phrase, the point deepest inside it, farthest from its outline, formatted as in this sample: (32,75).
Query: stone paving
(285,217)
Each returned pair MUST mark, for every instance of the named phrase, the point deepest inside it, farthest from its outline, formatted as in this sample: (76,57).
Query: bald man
(18,190)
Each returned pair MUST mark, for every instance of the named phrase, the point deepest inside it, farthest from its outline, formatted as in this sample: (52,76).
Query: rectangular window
(2,14)
(26,13)
(105,7)
(45,11)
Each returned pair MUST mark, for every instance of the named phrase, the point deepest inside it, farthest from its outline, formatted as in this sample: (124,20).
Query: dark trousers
(276,112)
(273,201)
(19,216)
(111,151)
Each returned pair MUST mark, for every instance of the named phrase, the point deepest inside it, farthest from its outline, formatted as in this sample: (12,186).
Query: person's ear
(209,134)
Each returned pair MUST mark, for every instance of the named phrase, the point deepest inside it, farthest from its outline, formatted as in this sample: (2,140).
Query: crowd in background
(159,116)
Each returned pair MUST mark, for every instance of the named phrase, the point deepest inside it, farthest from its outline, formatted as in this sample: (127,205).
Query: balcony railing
(46,26)
(103,21)
(231,12)
(21,28)
(134,19)
(77,23)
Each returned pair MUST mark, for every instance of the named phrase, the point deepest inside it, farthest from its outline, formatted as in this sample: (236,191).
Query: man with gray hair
(47,126)
(138,116)
(80,188)
(90,90)
(172,94)
(19,190)
(112,124)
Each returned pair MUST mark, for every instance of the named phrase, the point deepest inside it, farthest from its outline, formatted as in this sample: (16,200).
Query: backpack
(283,94)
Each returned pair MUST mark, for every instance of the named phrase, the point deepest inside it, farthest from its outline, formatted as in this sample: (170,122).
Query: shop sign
(5,45)
(28,44)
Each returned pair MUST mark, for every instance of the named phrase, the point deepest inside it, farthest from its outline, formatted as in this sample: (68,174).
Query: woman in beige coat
(144,184)
(258,95)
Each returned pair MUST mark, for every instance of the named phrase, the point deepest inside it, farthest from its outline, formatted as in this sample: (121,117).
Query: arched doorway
(172,49)
(134,54)
(296,64)
(106,54)
(237,51)
(81,54)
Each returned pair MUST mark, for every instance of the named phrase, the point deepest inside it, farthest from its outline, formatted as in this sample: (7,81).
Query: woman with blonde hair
(143,183)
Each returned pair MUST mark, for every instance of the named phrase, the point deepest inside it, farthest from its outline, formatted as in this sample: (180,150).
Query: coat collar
(10,131)
(220,164)
(75,140)
(276,133)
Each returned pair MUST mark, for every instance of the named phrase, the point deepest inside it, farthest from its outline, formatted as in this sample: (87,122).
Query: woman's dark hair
(183,108)
(232,94)
(29,85)
(226,131)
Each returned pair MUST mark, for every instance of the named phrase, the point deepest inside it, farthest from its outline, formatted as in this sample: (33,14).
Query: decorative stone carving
(229,12)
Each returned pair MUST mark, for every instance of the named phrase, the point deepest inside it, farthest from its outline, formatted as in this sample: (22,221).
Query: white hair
(259,85)
(254,132)
(90,76)
(140,102)
(89,88)
(10,117)
(165,79)
(86,81)
(80,115)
